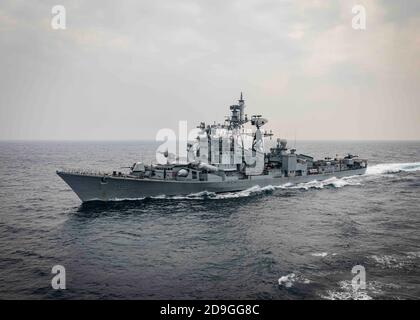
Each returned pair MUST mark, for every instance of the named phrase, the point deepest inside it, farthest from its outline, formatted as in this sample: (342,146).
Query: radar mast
(237,117)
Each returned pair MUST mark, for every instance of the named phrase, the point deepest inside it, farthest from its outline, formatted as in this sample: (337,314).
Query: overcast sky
(125,69)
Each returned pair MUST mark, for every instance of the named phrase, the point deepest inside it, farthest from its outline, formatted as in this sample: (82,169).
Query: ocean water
(280,242)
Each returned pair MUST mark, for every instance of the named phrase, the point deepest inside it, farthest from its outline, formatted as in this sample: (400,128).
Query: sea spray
(374,170)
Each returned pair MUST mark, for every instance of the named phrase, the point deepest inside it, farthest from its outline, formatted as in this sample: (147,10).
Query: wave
(374,290)
(374,170)
(255,190)
(347,292)
(396,261)
(320,254)
(386,168)
(289,280)
(331,182)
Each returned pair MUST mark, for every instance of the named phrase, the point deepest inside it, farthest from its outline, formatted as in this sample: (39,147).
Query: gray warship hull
(219,158)
(95,187)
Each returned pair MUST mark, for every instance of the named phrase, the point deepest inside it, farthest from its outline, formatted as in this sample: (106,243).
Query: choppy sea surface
(280,242)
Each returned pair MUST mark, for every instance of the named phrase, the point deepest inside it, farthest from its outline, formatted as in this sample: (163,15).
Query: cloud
(7,23)
(295,60)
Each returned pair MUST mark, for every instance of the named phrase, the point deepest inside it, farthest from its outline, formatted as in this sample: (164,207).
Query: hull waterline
(91,187)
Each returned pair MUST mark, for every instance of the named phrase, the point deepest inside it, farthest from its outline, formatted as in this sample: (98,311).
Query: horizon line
(151,140)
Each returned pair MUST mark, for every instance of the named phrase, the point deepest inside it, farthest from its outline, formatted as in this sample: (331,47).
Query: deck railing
(85,172)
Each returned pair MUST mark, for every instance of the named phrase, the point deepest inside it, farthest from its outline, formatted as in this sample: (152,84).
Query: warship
(224,157)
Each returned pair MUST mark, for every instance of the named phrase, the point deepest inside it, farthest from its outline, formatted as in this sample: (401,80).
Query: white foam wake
(375,170)
(385,168)
(332,182)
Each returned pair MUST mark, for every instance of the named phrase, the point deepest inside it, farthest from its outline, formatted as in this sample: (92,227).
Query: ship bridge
(230,146)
